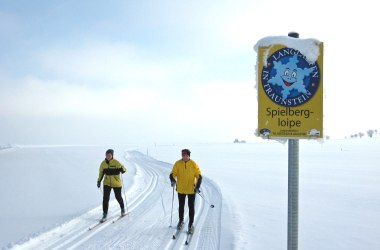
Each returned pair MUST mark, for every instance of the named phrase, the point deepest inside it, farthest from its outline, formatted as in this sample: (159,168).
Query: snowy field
(50,198)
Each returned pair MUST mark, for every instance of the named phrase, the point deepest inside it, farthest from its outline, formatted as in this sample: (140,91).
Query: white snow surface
(50,199)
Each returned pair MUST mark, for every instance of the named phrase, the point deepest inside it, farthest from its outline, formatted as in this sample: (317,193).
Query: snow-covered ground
(50,199)
(149,198)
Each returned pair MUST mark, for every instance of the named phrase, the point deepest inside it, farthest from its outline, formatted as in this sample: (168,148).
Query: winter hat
(186,151)
(110,151)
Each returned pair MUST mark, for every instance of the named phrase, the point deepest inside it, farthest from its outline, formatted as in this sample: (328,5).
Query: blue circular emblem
(289,79)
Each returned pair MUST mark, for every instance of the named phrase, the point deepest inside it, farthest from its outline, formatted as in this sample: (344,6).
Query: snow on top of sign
(308,47)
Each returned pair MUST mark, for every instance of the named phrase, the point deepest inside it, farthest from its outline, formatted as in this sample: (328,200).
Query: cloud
(213,109)
(37,97)
(104,64)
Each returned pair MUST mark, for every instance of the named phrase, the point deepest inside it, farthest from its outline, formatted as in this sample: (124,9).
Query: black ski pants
(106,197)
(190,203)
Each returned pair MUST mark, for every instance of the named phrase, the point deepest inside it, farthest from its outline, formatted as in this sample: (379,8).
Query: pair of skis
(189,234)
(102,222)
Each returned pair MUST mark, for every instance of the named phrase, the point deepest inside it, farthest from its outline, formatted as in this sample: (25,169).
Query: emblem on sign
(288,79)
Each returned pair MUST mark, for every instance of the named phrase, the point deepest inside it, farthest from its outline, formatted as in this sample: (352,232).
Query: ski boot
(191,229)
(104,218)
(180,225)
(122,212)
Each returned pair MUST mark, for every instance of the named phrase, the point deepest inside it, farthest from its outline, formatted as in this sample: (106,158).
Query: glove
(173,183)
(98,184)
(122,170)
(198,186)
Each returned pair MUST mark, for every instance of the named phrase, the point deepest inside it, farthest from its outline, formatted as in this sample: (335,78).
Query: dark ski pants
(106,197)
(190,203)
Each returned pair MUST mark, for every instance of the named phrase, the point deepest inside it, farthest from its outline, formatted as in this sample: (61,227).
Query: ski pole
(211,205)
(171,216)
(125,197)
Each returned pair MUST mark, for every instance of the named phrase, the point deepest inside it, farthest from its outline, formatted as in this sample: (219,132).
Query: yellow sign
(290,93)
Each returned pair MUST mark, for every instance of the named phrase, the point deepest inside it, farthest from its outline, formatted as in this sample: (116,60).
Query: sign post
(293,182)
(293,163)
(290,103)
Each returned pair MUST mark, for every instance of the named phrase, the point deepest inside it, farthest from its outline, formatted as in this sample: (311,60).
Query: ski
(189,236)
(102,222)
(177,232)
(96,225)
(119,217)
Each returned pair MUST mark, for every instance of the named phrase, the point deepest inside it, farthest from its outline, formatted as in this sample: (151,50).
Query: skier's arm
(199,182)
(198,176)
(197,170)
(123,169)
(101,174)
(171,178)
(172,175)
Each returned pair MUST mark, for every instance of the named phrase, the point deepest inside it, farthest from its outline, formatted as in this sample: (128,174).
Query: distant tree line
(370,133)
(237,141)
(5,146)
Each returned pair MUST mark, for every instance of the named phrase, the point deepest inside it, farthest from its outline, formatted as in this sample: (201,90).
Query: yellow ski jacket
(111,170)
(187,174)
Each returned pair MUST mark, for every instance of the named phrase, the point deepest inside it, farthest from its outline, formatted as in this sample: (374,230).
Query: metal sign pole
(293,163)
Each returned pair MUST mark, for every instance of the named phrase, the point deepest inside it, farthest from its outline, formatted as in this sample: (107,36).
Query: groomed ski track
(147,226)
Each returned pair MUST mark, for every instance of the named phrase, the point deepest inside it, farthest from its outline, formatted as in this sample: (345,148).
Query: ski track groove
(153,181)
(147,225)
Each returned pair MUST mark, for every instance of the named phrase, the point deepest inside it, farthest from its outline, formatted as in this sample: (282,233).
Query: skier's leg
(119,198)
(106,198)
(181,207)
(191,203)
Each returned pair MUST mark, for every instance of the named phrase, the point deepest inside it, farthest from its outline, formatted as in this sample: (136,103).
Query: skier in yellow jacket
(111,169)
(187,175)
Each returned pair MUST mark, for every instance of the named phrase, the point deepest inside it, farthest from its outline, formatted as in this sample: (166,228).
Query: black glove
(122,170)
(172,180)
(198,186)
(98,184)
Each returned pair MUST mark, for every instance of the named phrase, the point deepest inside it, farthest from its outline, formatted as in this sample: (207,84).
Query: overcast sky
(121,72)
